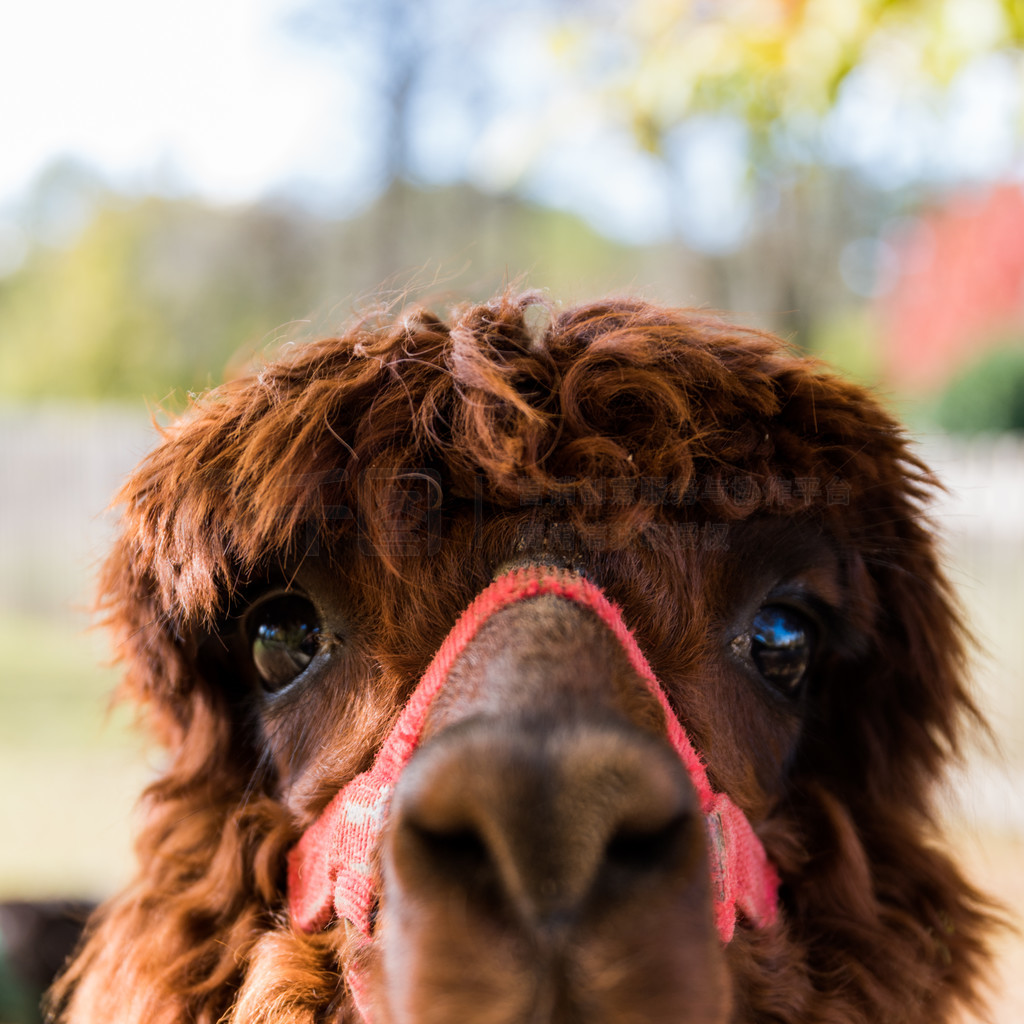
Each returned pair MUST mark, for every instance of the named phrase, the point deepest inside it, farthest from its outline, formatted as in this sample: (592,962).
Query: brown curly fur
(411,457)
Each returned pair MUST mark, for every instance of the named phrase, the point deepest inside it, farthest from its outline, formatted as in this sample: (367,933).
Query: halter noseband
(331,872)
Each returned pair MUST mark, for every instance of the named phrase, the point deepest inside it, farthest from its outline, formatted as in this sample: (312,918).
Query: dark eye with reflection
(782,641)
(284,636)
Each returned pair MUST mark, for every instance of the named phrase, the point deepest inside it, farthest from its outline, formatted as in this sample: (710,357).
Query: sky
(212,92)
(219,98)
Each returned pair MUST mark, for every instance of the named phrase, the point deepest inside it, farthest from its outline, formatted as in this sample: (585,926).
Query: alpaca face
(297,559)
(544,830)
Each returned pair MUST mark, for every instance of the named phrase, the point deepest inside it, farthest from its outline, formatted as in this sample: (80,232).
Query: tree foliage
(988,397)
(150,296)
(780,63)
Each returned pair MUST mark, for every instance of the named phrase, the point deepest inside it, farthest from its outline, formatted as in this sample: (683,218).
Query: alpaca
(596,671)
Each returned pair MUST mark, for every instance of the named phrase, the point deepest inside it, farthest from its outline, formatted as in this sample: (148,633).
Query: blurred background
(185,186)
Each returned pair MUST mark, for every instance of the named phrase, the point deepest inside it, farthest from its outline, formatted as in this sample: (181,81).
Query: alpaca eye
(781,645)
(284,636)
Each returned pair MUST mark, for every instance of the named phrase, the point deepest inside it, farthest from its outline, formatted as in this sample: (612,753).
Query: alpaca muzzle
(332,873)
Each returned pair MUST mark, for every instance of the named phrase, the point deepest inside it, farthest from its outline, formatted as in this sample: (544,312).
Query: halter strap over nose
(331,869)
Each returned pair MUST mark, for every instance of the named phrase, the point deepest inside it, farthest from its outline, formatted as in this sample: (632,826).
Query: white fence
(59,468)
(982,519)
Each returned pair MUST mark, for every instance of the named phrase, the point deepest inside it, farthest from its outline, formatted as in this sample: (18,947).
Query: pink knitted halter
(331,872)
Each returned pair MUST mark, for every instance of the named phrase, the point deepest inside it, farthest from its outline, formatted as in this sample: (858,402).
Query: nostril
(636,851)
(455,850)
(436,858)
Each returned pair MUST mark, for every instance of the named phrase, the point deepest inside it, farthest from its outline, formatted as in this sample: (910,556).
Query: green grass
(54,688)
(70,768)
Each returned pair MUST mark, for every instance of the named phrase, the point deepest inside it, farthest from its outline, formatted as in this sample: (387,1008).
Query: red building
(960,289)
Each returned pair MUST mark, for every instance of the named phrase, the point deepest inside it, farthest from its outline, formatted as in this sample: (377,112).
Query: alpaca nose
(544,827)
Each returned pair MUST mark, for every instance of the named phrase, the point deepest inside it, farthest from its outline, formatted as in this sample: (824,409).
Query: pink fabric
(330,870)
